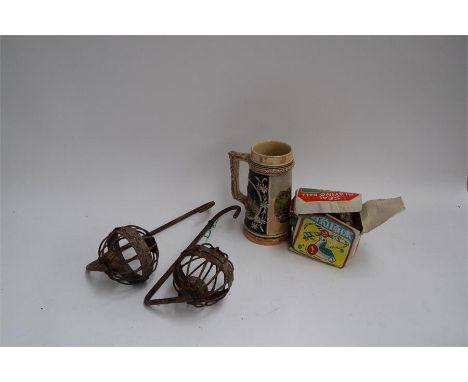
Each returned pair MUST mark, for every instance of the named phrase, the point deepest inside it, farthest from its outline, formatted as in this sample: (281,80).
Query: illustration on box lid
(316,201)
(324,238)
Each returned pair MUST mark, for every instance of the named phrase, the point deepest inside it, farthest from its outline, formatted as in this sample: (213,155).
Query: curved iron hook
(213,220)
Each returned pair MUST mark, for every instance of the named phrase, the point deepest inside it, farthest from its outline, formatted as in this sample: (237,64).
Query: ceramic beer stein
(268,191)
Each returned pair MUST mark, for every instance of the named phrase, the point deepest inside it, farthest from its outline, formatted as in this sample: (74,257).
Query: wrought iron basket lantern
(130,254)
(202,274)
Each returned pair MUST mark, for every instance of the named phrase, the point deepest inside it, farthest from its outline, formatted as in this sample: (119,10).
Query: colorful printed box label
(325,239)
(315,201)
(314,195)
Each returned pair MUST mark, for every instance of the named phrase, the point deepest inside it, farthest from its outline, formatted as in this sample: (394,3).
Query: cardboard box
(327,225)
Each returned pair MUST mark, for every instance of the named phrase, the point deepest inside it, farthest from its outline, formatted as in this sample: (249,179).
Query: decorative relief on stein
(256,205)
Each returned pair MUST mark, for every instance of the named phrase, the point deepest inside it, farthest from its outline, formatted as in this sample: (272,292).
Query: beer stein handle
(234,158)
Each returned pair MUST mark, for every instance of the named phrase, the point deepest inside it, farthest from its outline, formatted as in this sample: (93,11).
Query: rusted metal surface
(129,254)
(202,274)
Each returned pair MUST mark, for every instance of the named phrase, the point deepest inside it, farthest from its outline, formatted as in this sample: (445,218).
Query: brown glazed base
(264,241)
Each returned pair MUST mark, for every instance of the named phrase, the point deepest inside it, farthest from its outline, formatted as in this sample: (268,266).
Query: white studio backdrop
(99,132)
